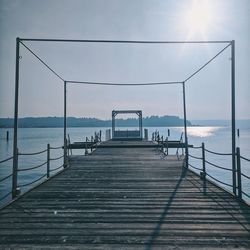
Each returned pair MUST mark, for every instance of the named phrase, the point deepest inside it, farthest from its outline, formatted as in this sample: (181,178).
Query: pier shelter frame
(21,41)
(116,112)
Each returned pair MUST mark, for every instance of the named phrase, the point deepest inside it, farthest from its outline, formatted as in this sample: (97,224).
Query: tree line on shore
(43,122)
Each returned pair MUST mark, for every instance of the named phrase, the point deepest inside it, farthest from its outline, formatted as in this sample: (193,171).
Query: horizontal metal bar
(6,159)
(116,41)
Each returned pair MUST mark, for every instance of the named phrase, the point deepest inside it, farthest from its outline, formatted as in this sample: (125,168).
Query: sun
(199,17)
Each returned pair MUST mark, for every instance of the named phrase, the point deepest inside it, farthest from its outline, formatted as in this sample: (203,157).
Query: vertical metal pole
(65,126)
(113,124)
(15,150)
(239,173)
(185,122)
(233,114)
(140,124)
(48,160)
(203,160)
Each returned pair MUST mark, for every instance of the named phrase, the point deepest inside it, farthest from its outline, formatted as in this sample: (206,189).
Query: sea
(33,140)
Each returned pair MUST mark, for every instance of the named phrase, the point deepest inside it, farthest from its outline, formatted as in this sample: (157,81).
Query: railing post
(48,160)
(167,145)
(15,149)
(14,176)
(239,173)
(86,146)
(203,173)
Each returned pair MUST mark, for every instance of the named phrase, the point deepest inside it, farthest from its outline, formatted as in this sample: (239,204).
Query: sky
(207,93)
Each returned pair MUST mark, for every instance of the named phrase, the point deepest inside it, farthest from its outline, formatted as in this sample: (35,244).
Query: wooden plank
(130,197)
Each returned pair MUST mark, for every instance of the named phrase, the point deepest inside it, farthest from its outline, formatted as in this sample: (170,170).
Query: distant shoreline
(57,122)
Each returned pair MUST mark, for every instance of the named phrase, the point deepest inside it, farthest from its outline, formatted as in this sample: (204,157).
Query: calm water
(36,139)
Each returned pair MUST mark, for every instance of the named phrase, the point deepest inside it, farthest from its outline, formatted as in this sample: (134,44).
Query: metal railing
(15,190)
(6,178)
(163,145)
(205,162)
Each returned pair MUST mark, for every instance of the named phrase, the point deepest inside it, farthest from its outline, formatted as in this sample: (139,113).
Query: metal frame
(21,40)
(116,112)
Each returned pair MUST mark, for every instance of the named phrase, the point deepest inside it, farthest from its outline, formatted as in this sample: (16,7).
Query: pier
(126,197)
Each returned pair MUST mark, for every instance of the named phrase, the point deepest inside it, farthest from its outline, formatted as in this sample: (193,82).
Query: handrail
(246,176)
(195,157)
(57,158)
(54,169)
(246,194)
(36,153)
(237,172)
(30,183)
(216,153)
(56,147)
(244,158)
(6,177)
(217,166)
(194,167)
(224,183)
(31,168)
(180,141)
(10,158)
(5,196)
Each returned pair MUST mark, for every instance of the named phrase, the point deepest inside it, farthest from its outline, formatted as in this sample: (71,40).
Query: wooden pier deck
(125,198)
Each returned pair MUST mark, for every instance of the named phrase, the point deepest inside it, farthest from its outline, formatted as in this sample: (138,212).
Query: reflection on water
(202,131)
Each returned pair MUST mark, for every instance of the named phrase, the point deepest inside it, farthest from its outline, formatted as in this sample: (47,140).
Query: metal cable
(5,196)
(245,176)
(52,170)
(36,153)
(195,157)
(46,65)
(6,159)
(55,159)
(202,67)
(226,184)
(196,147)
(26,169)
(217,166)
(245,194)
(27,184)
(56,147)
(212,152)
(124,84)
(194,167)
(6,177)
(240,157)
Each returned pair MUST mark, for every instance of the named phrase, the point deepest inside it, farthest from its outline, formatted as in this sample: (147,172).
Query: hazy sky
(208,94)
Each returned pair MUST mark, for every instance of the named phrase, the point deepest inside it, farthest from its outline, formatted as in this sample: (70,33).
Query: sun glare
(199,17)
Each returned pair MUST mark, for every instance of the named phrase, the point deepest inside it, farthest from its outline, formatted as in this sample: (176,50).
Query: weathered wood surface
(125,198)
